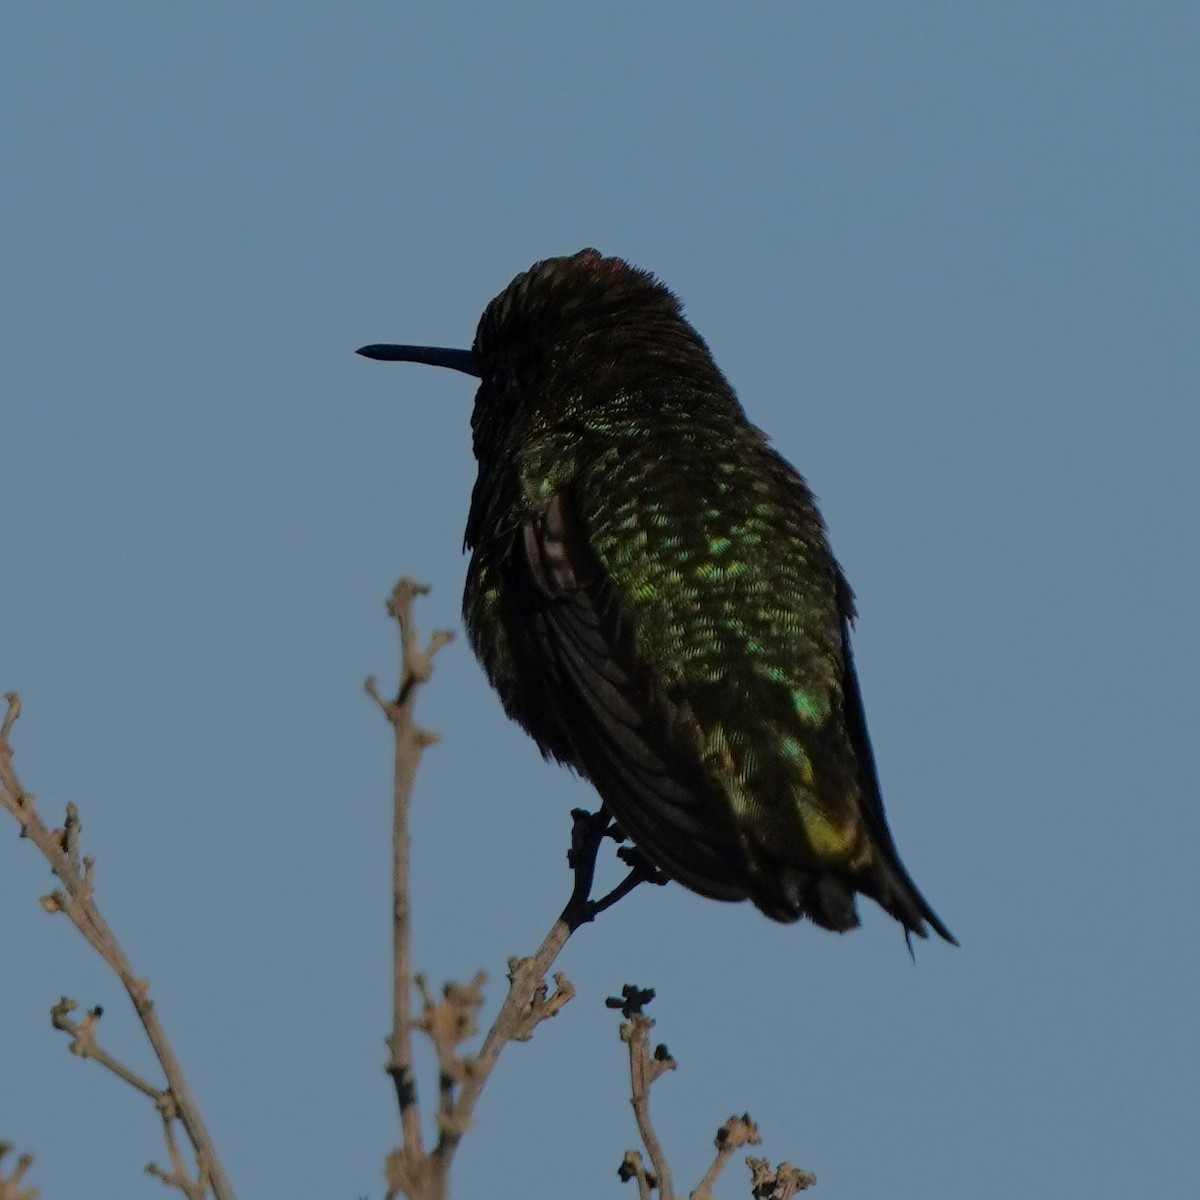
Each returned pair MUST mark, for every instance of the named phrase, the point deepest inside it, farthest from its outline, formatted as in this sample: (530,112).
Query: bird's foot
(588,832)
(637,862)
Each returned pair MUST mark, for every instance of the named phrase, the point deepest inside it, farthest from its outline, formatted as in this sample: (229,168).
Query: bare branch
(76,898)
(178,1176)
(529,1001)
(633,1166)
(409,740)
(11,1187)
(84,1044)
(448,1023)
(644,1068)
(733,1135)
(11,714)
(452,1019)
(782,1183)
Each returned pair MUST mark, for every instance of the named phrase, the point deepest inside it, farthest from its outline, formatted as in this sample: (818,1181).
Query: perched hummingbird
(652,594)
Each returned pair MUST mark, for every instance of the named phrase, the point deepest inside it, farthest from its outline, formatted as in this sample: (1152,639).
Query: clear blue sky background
(947,253)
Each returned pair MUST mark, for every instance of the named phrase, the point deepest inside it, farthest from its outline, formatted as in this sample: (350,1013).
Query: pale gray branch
(76,898)
(12,1186)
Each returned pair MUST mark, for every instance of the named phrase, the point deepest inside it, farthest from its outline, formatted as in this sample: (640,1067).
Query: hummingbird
(652,594)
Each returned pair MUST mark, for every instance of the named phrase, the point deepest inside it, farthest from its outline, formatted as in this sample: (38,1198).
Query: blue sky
(947,254)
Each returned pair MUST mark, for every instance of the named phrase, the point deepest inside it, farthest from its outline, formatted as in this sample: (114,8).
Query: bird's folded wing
(650,779)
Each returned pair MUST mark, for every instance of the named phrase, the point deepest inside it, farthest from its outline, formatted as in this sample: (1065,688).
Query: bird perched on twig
(652,594)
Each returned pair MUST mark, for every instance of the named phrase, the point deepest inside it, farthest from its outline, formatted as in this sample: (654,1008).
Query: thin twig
(85,1045)
(644,1068)
(409,740)
(178,1176)
(782,1183)
(733,1135)
(448,1022)
(529,1000)
(11,1187)
(633,1166)
(76,898)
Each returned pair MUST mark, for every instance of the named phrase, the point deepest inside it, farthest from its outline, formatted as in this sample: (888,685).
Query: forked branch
(12,1186)
(409,740)
(76,898)
(647,1066)
(449,1021)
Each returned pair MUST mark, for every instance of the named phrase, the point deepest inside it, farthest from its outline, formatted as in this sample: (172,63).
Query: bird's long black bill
(434,356)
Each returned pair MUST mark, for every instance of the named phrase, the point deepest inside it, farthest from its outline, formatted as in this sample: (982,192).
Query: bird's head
(566,335)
